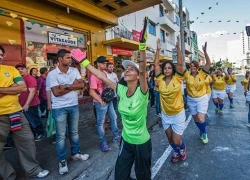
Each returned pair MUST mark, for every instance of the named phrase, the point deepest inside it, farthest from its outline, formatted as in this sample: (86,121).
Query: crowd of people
(170,88)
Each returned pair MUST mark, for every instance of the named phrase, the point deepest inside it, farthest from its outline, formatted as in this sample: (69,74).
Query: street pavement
(225,157)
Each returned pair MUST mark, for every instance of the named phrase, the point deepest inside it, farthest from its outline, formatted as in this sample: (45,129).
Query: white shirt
(112,77)
(55,78)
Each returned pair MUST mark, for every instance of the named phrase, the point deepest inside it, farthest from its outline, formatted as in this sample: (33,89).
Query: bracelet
(85,63)
(142,46)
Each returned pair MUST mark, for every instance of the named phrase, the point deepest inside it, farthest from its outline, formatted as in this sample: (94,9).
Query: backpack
(108,95)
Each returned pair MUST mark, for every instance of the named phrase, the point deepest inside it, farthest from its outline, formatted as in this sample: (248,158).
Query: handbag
(248,96)
(50,126)
(108,95)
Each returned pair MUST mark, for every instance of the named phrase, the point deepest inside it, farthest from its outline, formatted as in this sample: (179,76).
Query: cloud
(212,34)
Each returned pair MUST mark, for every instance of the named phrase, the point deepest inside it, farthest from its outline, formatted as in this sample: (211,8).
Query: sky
(234,10)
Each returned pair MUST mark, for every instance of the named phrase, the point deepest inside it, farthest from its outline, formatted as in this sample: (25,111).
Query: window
(177,20)
(162,32)
(161,10)
(152,29)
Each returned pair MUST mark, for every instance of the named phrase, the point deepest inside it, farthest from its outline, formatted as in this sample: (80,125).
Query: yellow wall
(10,32)
(52,15)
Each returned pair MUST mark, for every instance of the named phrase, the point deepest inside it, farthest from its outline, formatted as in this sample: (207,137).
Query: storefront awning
(122,43)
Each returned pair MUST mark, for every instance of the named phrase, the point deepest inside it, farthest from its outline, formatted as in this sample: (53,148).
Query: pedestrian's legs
(73,119)
(6,170)
(152,99)
(124,161)
(9,140)
(26,148)
(60,116)
(43,107)
(31,122)
(157,102)
(249,114)
(143,157)
(113,119)
(115,103)
(100,115)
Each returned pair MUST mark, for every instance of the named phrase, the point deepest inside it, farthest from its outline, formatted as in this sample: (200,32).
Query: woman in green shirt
(135,145)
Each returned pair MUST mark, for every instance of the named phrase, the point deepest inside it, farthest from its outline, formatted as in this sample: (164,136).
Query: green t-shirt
(133,110)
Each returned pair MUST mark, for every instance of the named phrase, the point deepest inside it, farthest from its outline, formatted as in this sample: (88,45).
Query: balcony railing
(170,18)
(122,32)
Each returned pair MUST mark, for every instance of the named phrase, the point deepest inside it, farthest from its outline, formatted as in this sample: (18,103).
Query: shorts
(231,88)
(221,94)
(208,97)
(177,122)
(199,104)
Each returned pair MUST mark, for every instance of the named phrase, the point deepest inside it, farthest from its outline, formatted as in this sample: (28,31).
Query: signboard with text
(62,39)
(174,56)
(121,51)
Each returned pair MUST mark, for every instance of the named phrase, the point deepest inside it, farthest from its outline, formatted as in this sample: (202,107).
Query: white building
(234,50)
(245,40)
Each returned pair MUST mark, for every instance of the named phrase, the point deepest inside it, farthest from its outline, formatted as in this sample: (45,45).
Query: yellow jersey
(9,103)
(196,86)
(219,82)
(231,80)
(208,81)
(171,95)
(244,82)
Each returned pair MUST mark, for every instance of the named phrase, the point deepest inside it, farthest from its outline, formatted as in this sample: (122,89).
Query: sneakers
(42,174)
(175,157)
(104,146)
(80,157)
(248,125)
(63,168)
(217,110)
(220,112)
(39,137)
(183,154)
(204,138)
(231,105)
(117,139)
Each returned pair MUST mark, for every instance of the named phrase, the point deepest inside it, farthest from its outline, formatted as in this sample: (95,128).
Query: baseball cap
(20,65)
(101,59)
(127,63)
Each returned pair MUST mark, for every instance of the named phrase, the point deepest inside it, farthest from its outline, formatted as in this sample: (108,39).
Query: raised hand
(158,44)
(204,48)
(78,55)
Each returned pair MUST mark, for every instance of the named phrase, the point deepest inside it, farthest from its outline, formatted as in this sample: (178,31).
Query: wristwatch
(67,86)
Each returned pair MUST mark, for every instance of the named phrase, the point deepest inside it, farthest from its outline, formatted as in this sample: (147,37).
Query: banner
(61,39)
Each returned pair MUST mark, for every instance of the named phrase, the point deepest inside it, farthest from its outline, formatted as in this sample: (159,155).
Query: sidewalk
(46,152)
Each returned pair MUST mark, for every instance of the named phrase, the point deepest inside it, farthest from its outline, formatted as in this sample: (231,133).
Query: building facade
(201,58)
(187,35)
(194,46)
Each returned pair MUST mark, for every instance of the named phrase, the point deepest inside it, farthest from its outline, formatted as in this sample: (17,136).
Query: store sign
(121,51)
(136,35)
(174,56)
(61,39)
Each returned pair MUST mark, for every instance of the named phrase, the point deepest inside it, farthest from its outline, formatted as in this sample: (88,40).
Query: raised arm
(208,62)
(157,55)
(80,57)
(179,66)
(142,72)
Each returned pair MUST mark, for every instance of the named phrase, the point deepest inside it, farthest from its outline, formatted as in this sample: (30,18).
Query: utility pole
(182,26)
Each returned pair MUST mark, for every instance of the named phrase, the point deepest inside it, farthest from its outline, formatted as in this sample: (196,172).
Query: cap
(127,63)
(101,59)
(20,65)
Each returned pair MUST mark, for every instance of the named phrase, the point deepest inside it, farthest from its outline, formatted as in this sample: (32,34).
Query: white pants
(231,88)
(218,94)
(177,122)
(208,97)
(199,104)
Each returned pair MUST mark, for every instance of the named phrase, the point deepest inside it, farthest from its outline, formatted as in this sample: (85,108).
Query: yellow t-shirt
(219,82)
(230,80)
(171,95)
(9,103)
(208,81)
(196,86)
(156,87)
(244,82)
